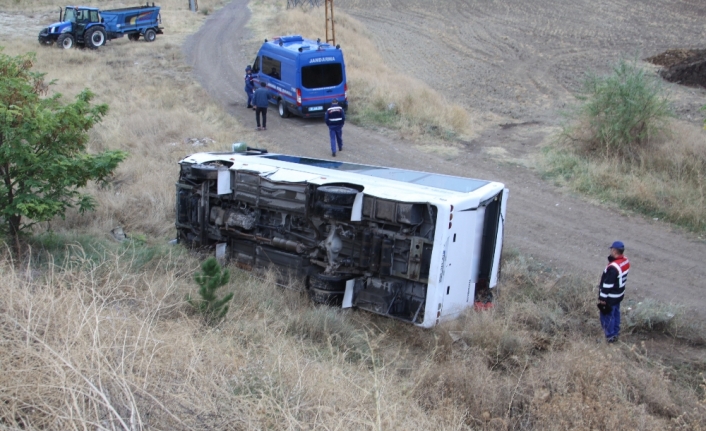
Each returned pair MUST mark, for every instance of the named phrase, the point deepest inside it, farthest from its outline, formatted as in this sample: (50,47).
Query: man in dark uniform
(612,289)
(261,101)
(249,85)
(335,117)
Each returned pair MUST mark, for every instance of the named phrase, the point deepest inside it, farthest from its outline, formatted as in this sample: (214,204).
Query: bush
(210,280)
(620,113)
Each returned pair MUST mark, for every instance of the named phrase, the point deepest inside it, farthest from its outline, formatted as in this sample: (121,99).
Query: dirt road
(519,60)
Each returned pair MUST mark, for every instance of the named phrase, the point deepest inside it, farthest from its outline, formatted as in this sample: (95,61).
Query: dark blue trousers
(249,93)
(611,322)
(336,134)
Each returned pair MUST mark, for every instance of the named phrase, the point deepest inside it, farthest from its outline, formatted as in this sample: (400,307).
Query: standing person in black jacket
(612,290)
(260,100)
(335,117)
(249,85)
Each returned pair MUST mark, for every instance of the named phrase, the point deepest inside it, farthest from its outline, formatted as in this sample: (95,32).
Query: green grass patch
(371,115)
(66,250)
(635,188)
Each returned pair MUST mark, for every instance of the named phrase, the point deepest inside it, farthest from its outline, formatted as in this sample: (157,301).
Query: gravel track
(518,60)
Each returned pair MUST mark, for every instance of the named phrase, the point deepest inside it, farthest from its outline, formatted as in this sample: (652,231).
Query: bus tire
(336,195)
(204,172)
(326,297)
(333,212)
(329,283)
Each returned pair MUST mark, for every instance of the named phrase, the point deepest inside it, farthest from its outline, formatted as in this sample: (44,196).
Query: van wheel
(283,111)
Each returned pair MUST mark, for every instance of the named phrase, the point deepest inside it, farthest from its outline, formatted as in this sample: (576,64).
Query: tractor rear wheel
(95,37)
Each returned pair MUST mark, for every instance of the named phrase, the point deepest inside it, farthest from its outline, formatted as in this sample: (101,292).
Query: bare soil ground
(513,65)
(682,66)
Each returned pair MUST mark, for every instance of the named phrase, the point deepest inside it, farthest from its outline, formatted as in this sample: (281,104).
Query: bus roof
(312,170)
(438,181)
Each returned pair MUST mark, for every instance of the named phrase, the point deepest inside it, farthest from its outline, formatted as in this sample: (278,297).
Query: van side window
(322,75)
(271,67)
(256,65)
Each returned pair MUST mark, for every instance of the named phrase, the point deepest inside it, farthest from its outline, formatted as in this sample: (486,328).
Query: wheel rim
(97,38)
(281,109)
(67,43)
(150,35)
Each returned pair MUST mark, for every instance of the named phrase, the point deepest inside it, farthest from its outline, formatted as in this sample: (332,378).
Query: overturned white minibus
(415,246)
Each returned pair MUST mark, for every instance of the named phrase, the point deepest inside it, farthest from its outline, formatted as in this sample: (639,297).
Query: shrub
(210,280)
(620,113)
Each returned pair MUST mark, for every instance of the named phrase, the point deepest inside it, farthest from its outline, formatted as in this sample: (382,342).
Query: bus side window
(256,65)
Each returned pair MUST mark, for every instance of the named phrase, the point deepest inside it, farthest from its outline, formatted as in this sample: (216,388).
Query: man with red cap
(612,289)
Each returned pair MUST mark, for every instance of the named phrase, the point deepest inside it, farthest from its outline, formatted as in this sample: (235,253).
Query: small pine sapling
(210,279)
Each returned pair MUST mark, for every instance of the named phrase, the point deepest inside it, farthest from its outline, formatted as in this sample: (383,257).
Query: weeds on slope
(621,146)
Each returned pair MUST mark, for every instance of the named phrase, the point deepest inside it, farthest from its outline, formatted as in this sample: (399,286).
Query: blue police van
(302,75)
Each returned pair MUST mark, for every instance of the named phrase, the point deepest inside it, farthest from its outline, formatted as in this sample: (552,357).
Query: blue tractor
(91,27)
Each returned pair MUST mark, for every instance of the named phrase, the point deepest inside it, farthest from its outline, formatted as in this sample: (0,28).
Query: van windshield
(322,75)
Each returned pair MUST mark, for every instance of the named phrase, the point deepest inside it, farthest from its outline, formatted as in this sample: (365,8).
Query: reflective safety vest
(335,116)
(613,281)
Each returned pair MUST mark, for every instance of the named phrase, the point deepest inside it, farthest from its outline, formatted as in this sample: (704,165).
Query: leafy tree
(210,280)
(43,157)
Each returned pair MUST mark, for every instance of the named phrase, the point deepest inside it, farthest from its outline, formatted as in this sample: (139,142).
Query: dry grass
(106,342)
(667,180)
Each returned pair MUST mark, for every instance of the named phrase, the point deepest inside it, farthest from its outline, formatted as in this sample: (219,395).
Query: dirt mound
(682,66)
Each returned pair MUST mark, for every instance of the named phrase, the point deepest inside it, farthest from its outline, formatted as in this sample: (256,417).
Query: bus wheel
(336,195)
(204,172)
